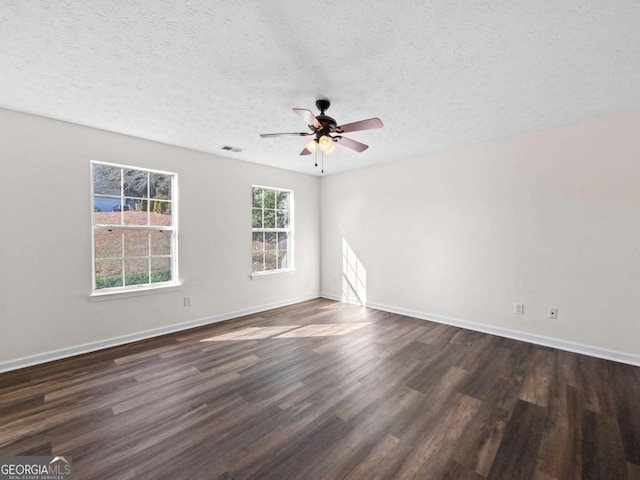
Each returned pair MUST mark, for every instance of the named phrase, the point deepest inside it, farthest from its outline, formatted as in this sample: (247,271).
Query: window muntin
(272,229)
(134,228)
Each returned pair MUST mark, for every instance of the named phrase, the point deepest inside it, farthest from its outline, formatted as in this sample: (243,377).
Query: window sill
(102,296)
(275,273)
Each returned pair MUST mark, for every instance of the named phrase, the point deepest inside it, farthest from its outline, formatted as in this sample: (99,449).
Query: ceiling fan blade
(352,144)
(361,125)
(309,117)
(305,151)
(294,134)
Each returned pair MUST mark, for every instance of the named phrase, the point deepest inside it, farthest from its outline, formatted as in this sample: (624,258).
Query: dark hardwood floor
(324,390)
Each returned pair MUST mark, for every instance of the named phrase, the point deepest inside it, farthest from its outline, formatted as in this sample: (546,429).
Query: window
(133,229)
(272,229)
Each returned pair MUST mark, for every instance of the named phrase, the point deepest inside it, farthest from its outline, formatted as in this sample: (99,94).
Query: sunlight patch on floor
(289,331)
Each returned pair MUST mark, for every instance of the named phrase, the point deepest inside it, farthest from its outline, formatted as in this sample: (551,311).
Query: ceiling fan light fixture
(331,149)
(325,143)
(312,146)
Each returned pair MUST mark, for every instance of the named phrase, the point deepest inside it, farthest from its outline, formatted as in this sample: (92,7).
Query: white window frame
(290,231)
(128,290)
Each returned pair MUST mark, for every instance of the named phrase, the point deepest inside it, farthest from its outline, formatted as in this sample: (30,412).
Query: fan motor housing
(327,122)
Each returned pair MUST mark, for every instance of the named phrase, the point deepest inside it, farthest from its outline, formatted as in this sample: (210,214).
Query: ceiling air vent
(229,148)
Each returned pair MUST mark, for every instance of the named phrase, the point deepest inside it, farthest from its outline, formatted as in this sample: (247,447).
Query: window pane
(270,261)
(160,270)
(270,240)
(269,199)
(269,219)
(257,218)
(106,180)
(133,213)
(136,271)
(270,246)
(160,243)
(135,183)
(133,204)
(258,263)
(108,273)
(283,241)
(283,260)
(283,247)
(282,218)
(258,239)
(136,243)
(107,218)
(282,201)
(257,197)
(108,244)
(160,185)
(257,252)
(160,212)
(102,204)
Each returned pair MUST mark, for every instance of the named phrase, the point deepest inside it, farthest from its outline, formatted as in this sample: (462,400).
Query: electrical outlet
(187,301)
(518,308)
(553,313)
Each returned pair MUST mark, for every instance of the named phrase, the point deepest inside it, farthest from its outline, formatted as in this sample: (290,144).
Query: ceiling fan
(327,132)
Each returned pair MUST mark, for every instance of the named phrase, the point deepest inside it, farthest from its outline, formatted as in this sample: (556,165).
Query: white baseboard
(337,298)
(589,350)
(134,337)
(330,296)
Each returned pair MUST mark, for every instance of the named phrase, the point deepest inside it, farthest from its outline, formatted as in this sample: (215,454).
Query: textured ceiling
(203,74)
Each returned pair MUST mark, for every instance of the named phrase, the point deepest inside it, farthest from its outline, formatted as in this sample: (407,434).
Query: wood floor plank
(247,462)
(10,380)
(367,430)
(455,471)
(325,390)
(486,371)
(430,454)
(633,471)
(560,451)
(627,384)
(309,454)
(535,388)
(602,450)
(543,476)
(518,452)
(370,465)
(411,428)
(478,448)
(595,386)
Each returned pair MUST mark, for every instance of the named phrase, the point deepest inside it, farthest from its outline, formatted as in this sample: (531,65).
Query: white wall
(548,219)
(45,255)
